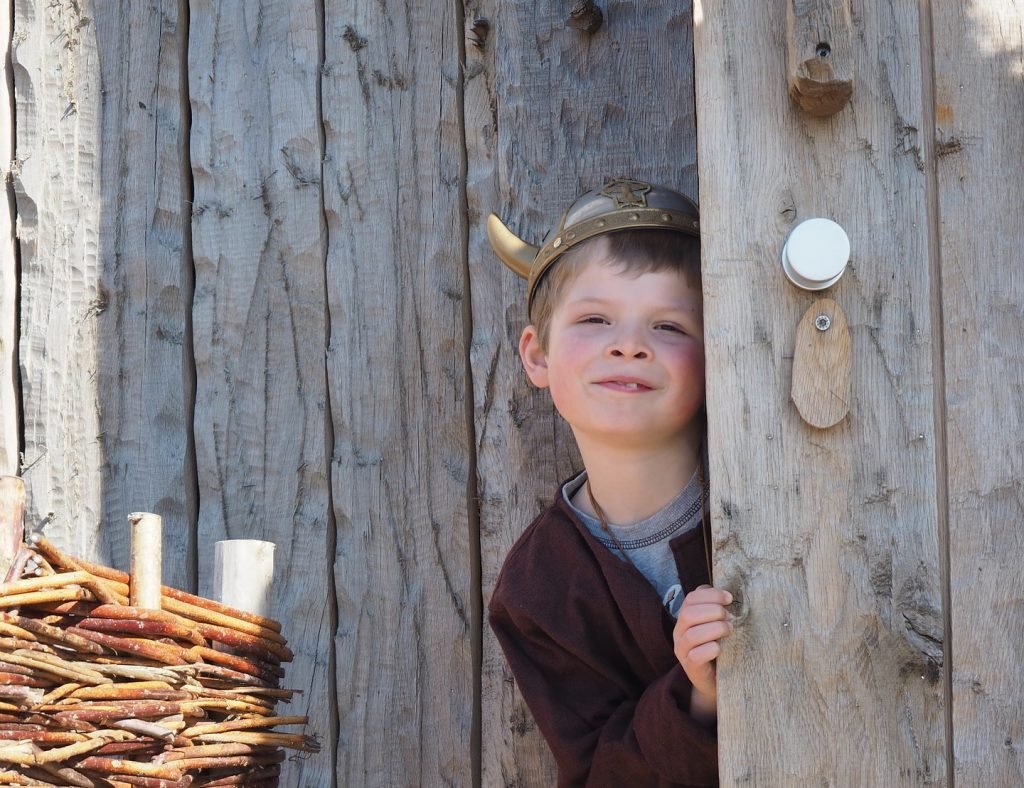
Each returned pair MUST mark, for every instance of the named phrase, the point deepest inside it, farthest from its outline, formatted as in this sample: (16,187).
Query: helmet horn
(513,250)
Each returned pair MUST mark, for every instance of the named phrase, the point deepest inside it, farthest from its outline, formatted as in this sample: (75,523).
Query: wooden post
(828,539)
(9,383)
(401,457)
(980,188)
(243,571)
(143,374)
(259,320)
(57,182)
(12,520)
(147,563)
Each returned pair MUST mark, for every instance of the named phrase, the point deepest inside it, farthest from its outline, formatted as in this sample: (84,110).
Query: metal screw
(822,322)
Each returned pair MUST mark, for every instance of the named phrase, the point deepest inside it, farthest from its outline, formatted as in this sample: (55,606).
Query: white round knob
(815,254)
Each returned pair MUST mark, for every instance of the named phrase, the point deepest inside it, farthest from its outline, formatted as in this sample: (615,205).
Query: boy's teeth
(631,385)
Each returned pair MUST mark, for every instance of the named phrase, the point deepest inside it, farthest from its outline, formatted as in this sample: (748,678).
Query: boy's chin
(641,438)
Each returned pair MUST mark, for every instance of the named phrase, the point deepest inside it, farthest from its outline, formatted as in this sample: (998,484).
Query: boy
(603,607)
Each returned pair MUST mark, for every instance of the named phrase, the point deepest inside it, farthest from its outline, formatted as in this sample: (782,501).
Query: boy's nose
(629,344)
(639,353)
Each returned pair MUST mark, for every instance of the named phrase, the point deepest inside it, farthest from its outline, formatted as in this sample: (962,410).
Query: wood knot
(585,16)
(478,30)
(820,43)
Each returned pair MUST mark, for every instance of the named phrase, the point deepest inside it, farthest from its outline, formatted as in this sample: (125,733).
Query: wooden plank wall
(979,120)
(251,291)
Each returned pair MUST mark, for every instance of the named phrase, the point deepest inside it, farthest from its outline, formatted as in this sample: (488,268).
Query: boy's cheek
(567,401)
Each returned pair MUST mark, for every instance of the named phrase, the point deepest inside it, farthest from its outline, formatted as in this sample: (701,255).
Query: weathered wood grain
(9,382)
(259,322)
(396,364)
(59,200)
(550,112)
(829,538)
(979,109)
(144,380)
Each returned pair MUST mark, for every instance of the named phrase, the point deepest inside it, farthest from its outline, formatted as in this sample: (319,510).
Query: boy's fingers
(704,654)
(701,614)
(694,637)
(707,595)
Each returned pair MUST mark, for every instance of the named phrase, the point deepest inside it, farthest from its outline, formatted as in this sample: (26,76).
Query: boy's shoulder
(554,526)
(551,546)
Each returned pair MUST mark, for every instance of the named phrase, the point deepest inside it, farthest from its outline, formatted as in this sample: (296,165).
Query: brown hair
(639,251)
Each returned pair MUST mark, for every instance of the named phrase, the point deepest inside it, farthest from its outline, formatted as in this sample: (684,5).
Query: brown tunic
(590,646)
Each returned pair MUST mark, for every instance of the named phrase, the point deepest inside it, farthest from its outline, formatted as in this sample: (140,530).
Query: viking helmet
(620,204)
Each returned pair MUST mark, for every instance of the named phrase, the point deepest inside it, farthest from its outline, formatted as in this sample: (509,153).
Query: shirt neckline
(681,513)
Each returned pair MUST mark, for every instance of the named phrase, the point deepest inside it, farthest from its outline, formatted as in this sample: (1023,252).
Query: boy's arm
(600,732)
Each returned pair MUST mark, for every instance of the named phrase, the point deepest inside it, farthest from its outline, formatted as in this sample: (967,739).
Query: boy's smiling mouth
(624,384)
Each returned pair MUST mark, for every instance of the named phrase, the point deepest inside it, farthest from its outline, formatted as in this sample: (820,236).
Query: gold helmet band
(620,204)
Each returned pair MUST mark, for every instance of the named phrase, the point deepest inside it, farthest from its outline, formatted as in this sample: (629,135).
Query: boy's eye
(593,319)
(669,327)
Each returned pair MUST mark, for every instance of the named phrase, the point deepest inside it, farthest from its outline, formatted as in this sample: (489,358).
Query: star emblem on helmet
(627,193)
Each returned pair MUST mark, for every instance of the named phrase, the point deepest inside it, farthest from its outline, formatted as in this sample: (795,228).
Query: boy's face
(625,356)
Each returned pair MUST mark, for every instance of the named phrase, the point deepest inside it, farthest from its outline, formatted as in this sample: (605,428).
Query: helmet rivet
(666,218)
(557,242)
(635,217)
(601,223)
(570,236)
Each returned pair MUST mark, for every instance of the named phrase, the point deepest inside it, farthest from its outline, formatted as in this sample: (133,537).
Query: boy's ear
(534,359)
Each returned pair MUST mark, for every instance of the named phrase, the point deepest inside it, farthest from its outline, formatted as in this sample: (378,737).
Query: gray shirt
(645,544)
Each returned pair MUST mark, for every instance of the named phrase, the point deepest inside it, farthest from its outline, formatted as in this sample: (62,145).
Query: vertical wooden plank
(259,321)
(12,521)
(829,538)
(9,383)
(551,111)
(59,199)
(979,109)
(396,364)
(144,381)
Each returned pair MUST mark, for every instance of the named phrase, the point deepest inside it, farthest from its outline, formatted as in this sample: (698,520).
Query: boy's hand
(703,621)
